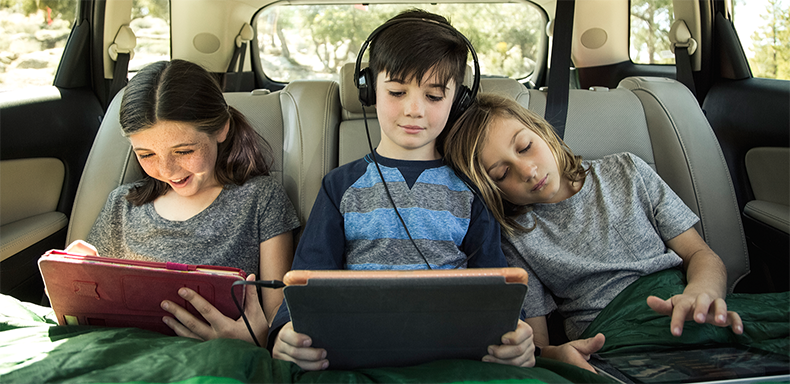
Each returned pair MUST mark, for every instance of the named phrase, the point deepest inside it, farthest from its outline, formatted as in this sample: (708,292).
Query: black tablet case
(406,321)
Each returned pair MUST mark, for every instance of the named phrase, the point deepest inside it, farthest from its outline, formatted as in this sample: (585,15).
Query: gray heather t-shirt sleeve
(671,216)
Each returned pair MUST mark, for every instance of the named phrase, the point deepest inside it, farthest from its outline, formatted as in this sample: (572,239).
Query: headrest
(349,94)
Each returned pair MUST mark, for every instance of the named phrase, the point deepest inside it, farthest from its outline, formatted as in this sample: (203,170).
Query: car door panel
(46,135)
(768,169)
(28,204)
(751,119)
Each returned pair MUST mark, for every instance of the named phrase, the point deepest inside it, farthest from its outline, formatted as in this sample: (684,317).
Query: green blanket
(629,324)
(34,350)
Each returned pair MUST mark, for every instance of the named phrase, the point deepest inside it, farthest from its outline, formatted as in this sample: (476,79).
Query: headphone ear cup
(367,91)
(463,99)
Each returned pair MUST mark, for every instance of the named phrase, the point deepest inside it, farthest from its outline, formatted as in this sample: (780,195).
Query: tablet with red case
(93,290)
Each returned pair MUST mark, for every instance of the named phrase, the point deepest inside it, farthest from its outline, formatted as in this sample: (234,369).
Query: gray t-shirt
(227,233)
(588,248)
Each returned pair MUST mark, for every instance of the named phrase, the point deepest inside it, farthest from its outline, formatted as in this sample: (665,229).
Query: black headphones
(364,79)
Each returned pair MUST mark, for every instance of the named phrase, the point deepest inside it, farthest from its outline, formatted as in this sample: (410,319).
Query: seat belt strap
(683,69)
(684,46)
(559,75)
(121,51)
(242,40)
(120,75)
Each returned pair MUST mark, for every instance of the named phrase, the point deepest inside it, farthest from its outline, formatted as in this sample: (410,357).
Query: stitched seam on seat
(300,135)
(683,148)
(769,214)
(694,181)
(37,234)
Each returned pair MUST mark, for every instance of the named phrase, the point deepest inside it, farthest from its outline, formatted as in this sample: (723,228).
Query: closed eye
(526,149)
(185,152)
(435,98)
(504,175)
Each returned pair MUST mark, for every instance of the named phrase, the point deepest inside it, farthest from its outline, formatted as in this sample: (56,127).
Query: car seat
(299,122)
(657,119)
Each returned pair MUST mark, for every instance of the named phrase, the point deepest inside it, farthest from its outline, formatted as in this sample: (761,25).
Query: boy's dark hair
(182,91)
(409,50)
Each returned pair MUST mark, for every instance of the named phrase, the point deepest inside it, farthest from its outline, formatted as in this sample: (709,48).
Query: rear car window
(314,41)
(151,26)
(764,29)
(650,24)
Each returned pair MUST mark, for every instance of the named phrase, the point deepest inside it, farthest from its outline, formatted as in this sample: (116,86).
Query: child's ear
(223,134)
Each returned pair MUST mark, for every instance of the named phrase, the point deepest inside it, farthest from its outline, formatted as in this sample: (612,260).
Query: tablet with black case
(400,318)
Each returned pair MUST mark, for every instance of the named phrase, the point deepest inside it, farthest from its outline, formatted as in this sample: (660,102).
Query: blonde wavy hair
(468,136)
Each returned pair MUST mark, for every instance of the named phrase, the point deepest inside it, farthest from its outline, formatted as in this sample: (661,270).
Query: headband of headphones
(363,81)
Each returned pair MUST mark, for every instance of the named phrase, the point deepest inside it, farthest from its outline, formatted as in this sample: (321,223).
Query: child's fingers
(517,348)
(724,318)
(208,311)
(295,347)
(290,337)
(186,324)
(520,355)
(735,322)
(681,311)
(702,306)
(195,325)
(251,303)
(718,313)
(81,247)
(663,307)
(179,328)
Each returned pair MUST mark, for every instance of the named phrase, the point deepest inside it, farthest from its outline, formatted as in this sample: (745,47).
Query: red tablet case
(92,290)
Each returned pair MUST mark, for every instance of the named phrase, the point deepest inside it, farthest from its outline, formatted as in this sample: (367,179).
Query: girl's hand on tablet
(295,347)
(219,326)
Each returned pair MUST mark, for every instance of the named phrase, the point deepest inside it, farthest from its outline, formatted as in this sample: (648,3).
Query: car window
(764,29)
(314,41)
(151,25)
(650,24)
(32,37)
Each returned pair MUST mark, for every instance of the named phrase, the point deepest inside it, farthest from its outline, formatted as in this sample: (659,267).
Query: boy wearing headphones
(422,215)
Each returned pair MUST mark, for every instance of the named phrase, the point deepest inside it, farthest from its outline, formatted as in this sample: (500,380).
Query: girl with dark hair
(206,198)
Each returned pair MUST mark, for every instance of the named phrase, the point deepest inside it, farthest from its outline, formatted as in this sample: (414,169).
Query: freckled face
(522,164)
(179,155)
(412,115)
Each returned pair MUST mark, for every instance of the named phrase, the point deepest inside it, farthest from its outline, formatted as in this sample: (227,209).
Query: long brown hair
(467,137)
(182,91)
